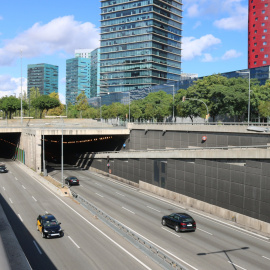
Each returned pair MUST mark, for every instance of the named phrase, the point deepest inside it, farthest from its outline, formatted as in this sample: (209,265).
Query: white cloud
(231,54)
(195,47)
(62,98)
(12,86)
(208,58)
(228,14)
(197,24)
(62,34)
(63,80)
(193,11)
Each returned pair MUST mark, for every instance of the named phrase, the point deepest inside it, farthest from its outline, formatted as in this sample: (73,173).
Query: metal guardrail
(186,149)
(203,123)
(151,250)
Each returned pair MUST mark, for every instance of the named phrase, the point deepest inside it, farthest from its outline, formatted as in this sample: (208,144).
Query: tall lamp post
(247,72)
(129,107)
(21,91)
(173,97)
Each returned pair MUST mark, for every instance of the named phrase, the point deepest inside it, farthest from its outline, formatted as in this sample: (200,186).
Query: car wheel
(177,229)
(43,235)
(164,222)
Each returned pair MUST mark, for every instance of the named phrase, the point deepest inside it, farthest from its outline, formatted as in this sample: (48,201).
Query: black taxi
(49,226)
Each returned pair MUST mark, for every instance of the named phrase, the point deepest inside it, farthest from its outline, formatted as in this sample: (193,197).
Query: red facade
(259,33)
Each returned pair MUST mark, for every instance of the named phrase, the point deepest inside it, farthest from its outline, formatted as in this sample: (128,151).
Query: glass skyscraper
(44,77)
(95,73)
(77,78)
(140,43)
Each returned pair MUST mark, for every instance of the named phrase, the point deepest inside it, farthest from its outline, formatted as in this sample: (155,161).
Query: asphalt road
(87,243)
(216,244)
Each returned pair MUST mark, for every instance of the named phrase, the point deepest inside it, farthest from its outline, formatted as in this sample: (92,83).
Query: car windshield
(73,178)
(49,223)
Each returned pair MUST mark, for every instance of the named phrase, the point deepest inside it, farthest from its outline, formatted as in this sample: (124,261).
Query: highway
(216,244)
(87,243)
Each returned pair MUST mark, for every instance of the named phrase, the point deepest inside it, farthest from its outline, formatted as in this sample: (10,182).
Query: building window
(254,12)
(256,56)
(256,19)
(264,62)
(264,30)
(266,17)
(253,25)
(253,7)
(266,5)
(255,63)
(255,32)
(263,24)
(266,56)
(263,11)
(263,37)
(253,38)
(265,43)
(262,49)
(255,44)
(253,50)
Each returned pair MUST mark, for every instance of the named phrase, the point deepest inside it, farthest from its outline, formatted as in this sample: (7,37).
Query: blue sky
(214,36)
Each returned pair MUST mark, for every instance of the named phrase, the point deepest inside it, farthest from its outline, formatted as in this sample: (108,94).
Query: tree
(10,104)
(157,105)
(81,103)
(57,110)
(32,95)
(45,103)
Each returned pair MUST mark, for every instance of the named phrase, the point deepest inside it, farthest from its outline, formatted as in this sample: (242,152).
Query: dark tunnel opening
(8,144)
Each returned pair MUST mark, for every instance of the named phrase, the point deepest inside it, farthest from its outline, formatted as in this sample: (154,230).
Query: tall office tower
(77,78)
(258,33)
(95,73)
(44,77)
(140,43)
(83,53)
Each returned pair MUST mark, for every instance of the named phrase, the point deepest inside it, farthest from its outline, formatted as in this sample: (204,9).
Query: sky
(31,32)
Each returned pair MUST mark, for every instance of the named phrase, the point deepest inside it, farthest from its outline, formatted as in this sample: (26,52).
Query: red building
(258,33)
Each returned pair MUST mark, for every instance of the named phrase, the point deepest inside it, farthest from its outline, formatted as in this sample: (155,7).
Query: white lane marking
(10,200)
(37,247)
(99,195)
(237,265)
(232,227)
(209,218)
(73,242)
(120,194)
(4,188)
(128,210)
(16,178)
(95,227)
(170,232)
(34,199)
(266,258)
(98,184)
(204,231)
(20,217)
(81,185)
(153,209)
(23,186)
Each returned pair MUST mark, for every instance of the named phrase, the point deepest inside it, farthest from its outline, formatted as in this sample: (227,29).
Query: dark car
(49,226)
(3,168)
(72,180)
(180,222)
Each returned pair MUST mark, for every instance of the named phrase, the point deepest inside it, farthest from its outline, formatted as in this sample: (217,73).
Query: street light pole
(129,108)
(247,72)
(173,97)
(21,91)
